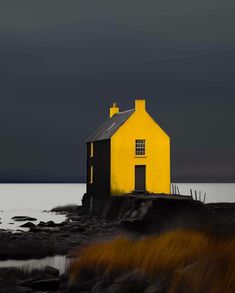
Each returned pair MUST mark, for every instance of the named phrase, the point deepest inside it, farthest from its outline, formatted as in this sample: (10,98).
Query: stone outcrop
(109,216)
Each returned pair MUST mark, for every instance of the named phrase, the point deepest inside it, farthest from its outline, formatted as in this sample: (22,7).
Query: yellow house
(128,153)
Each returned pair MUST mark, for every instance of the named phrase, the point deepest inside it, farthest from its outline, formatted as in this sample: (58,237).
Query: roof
(110,126)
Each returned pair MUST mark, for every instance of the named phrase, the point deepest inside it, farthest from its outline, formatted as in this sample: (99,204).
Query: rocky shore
(132,215)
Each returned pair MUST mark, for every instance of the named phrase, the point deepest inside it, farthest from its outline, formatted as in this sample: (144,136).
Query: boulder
(23,218)
(28,225)
(79,229)
(51,271)
(50,224)
(41,224)
(51,284)
(66,209)
(27,282)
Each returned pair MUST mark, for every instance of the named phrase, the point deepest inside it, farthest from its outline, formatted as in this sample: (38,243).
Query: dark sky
(62,64)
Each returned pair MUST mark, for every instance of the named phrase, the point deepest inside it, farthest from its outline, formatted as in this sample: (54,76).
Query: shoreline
(132,216)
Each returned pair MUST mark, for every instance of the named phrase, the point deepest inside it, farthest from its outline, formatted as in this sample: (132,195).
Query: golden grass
(169,253)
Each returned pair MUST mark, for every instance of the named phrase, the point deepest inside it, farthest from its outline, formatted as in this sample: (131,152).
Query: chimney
(113,110)
(140,105)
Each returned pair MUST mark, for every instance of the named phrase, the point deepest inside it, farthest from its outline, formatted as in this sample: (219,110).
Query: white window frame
(140,147)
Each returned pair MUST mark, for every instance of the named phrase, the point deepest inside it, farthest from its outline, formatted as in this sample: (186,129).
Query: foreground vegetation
(191,260)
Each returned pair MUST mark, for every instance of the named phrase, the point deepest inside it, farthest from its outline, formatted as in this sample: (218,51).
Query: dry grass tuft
(190,257)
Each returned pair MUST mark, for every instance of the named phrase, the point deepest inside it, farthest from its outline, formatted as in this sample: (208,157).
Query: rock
(51,284)
(23,218)
(28,225)
(47,230)
(63,223)
(138,226)
(78,229)
(47,224)
(75,218)
(41,224)
(50,224)
(67,208)
(134,214)
(27,282)
(36,229)
(51,271)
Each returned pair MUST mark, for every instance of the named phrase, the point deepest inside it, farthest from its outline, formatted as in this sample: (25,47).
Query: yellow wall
(157,160)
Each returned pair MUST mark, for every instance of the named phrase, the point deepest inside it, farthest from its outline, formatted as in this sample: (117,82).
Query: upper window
(91,150)
(140,147)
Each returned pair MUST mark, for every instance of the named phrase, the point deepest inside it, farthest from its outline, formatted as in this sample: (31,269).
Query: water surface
(59,262)
(215,192)
(33,199)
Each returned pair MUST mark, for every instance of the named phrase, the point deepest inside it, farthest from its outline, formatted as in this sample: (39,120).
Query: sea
(36,200)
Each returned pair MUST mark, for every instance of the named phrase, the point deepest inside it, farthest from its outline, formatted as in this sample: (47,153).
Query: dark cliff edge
(158,213)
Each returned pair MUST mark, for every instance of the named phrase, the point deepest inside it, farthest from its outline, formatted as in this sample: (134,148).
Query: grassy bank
(192,260)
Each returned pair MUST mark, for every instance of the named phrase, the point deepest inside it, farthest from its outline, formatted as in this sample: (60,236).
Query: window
(140,147)
(91,174)
(91,150)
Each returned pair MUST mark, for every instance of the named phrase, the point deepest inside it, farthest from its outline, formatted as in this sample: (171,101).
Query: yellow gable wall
(123,160)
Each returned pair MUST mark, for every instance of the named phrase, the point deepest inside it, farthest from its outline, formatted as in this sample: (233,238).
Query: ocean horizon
(45,196)
(34,199)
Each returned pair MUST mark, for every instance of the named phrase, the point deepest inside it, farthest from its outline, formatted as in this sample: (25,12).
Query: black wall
(101,168)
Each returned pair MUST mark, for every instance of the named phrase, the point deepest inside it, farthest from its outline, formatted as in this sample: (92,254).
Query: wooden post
(178,189)
(204,199)
(195,194)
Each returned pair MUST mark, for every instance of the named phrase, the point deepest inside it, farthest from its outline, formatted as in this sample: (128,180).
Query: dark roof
(110,126)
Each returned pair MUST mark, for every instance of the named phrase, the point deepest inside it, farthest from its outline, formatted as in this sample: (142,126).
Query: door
(140,174)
